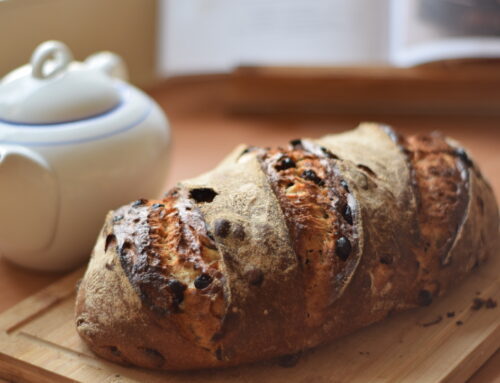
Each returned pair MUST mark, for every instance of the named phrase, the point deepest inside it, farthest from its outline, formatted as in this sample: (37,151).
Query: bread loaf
(280,250)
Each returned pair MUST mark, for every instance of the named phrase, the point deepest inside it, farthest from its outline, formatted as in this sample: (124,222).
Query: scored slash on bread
(280,250)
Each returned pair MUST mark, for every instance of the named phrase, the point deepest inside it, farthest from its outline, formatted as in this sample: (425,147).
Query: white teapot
(76,140)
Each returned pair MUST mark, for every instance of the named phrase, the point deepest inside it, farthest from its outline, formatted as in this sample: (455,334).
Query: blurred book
(216,36)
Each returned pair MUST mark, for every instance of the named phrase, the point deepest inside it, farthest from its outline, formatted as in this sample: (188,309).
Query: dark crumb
(477,304)
(296,142)
(288,361)
(459,323)
(490,303)
(432,322)
(364,353)
(450,314)
(478,292)
(117,375)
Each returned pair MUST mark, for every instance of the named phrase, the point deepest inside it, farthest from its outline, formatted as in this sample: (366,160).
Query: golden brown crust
(261,256)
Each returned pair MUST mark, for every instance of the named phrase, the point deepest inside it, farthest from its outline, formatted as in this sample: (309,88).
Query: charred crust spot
(343,248)
(110,241)
(202,194)
(296,143)
(222,228)
(386,259)
(255,277)
(424,297)
(367,170)
(177,289)
(464,157)
(239,232)
(139,202)
(202,281)
(311,175)
(285,163)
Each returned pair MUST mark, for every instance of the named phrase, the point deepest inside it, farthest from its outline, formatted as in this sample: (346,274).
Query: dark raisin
(222,228)
(344,185)
(114,350)
(152,353)
(386,259)
(110,241)
(109,266)
(218,353)
(158,205)
(343,248)
(424,297)
(347,214)
(311,175)
(285,163)
(117,218)
(329,154)
(490,303)
(462,154)
(202,194)
(140,202)
(177,289)
(296,142)
(239,233)
(255,277)
(477,303)
(202,281)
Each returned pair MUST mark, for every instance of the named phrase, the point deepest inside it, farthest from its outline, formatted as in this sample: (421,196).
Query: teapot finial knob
(49,59)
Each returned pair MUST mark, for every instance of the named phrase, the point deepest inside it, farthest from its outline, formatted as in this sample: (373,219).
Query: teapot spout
(29,202)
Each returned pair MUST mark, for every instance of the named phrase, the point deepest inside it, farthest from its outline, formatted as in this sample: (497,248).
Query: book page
(215,36)
(430,30)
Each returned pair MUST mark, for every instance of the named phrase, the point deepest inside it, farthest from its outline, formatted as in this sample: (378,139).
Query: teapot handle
(49,59)
(109,63)
(29,201)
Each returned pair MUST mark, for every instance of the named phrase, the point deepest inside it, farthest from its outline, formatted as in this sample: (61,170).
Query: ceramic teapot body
(59,179)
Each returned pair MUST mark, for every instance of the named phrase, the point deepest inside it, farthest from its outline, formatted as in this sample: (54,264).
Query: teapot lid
(54,89)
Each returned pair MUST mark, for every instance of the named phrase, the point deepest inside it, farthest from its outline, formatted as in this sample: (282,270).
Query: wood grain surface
(204,132)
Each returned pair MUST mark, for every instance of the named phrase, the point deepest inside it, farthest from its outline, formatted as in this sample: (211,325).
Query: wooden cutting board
(38,343)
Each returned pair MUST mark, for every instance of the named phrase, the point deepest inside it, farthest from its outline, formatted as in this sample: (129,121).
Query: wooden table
(204,132)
